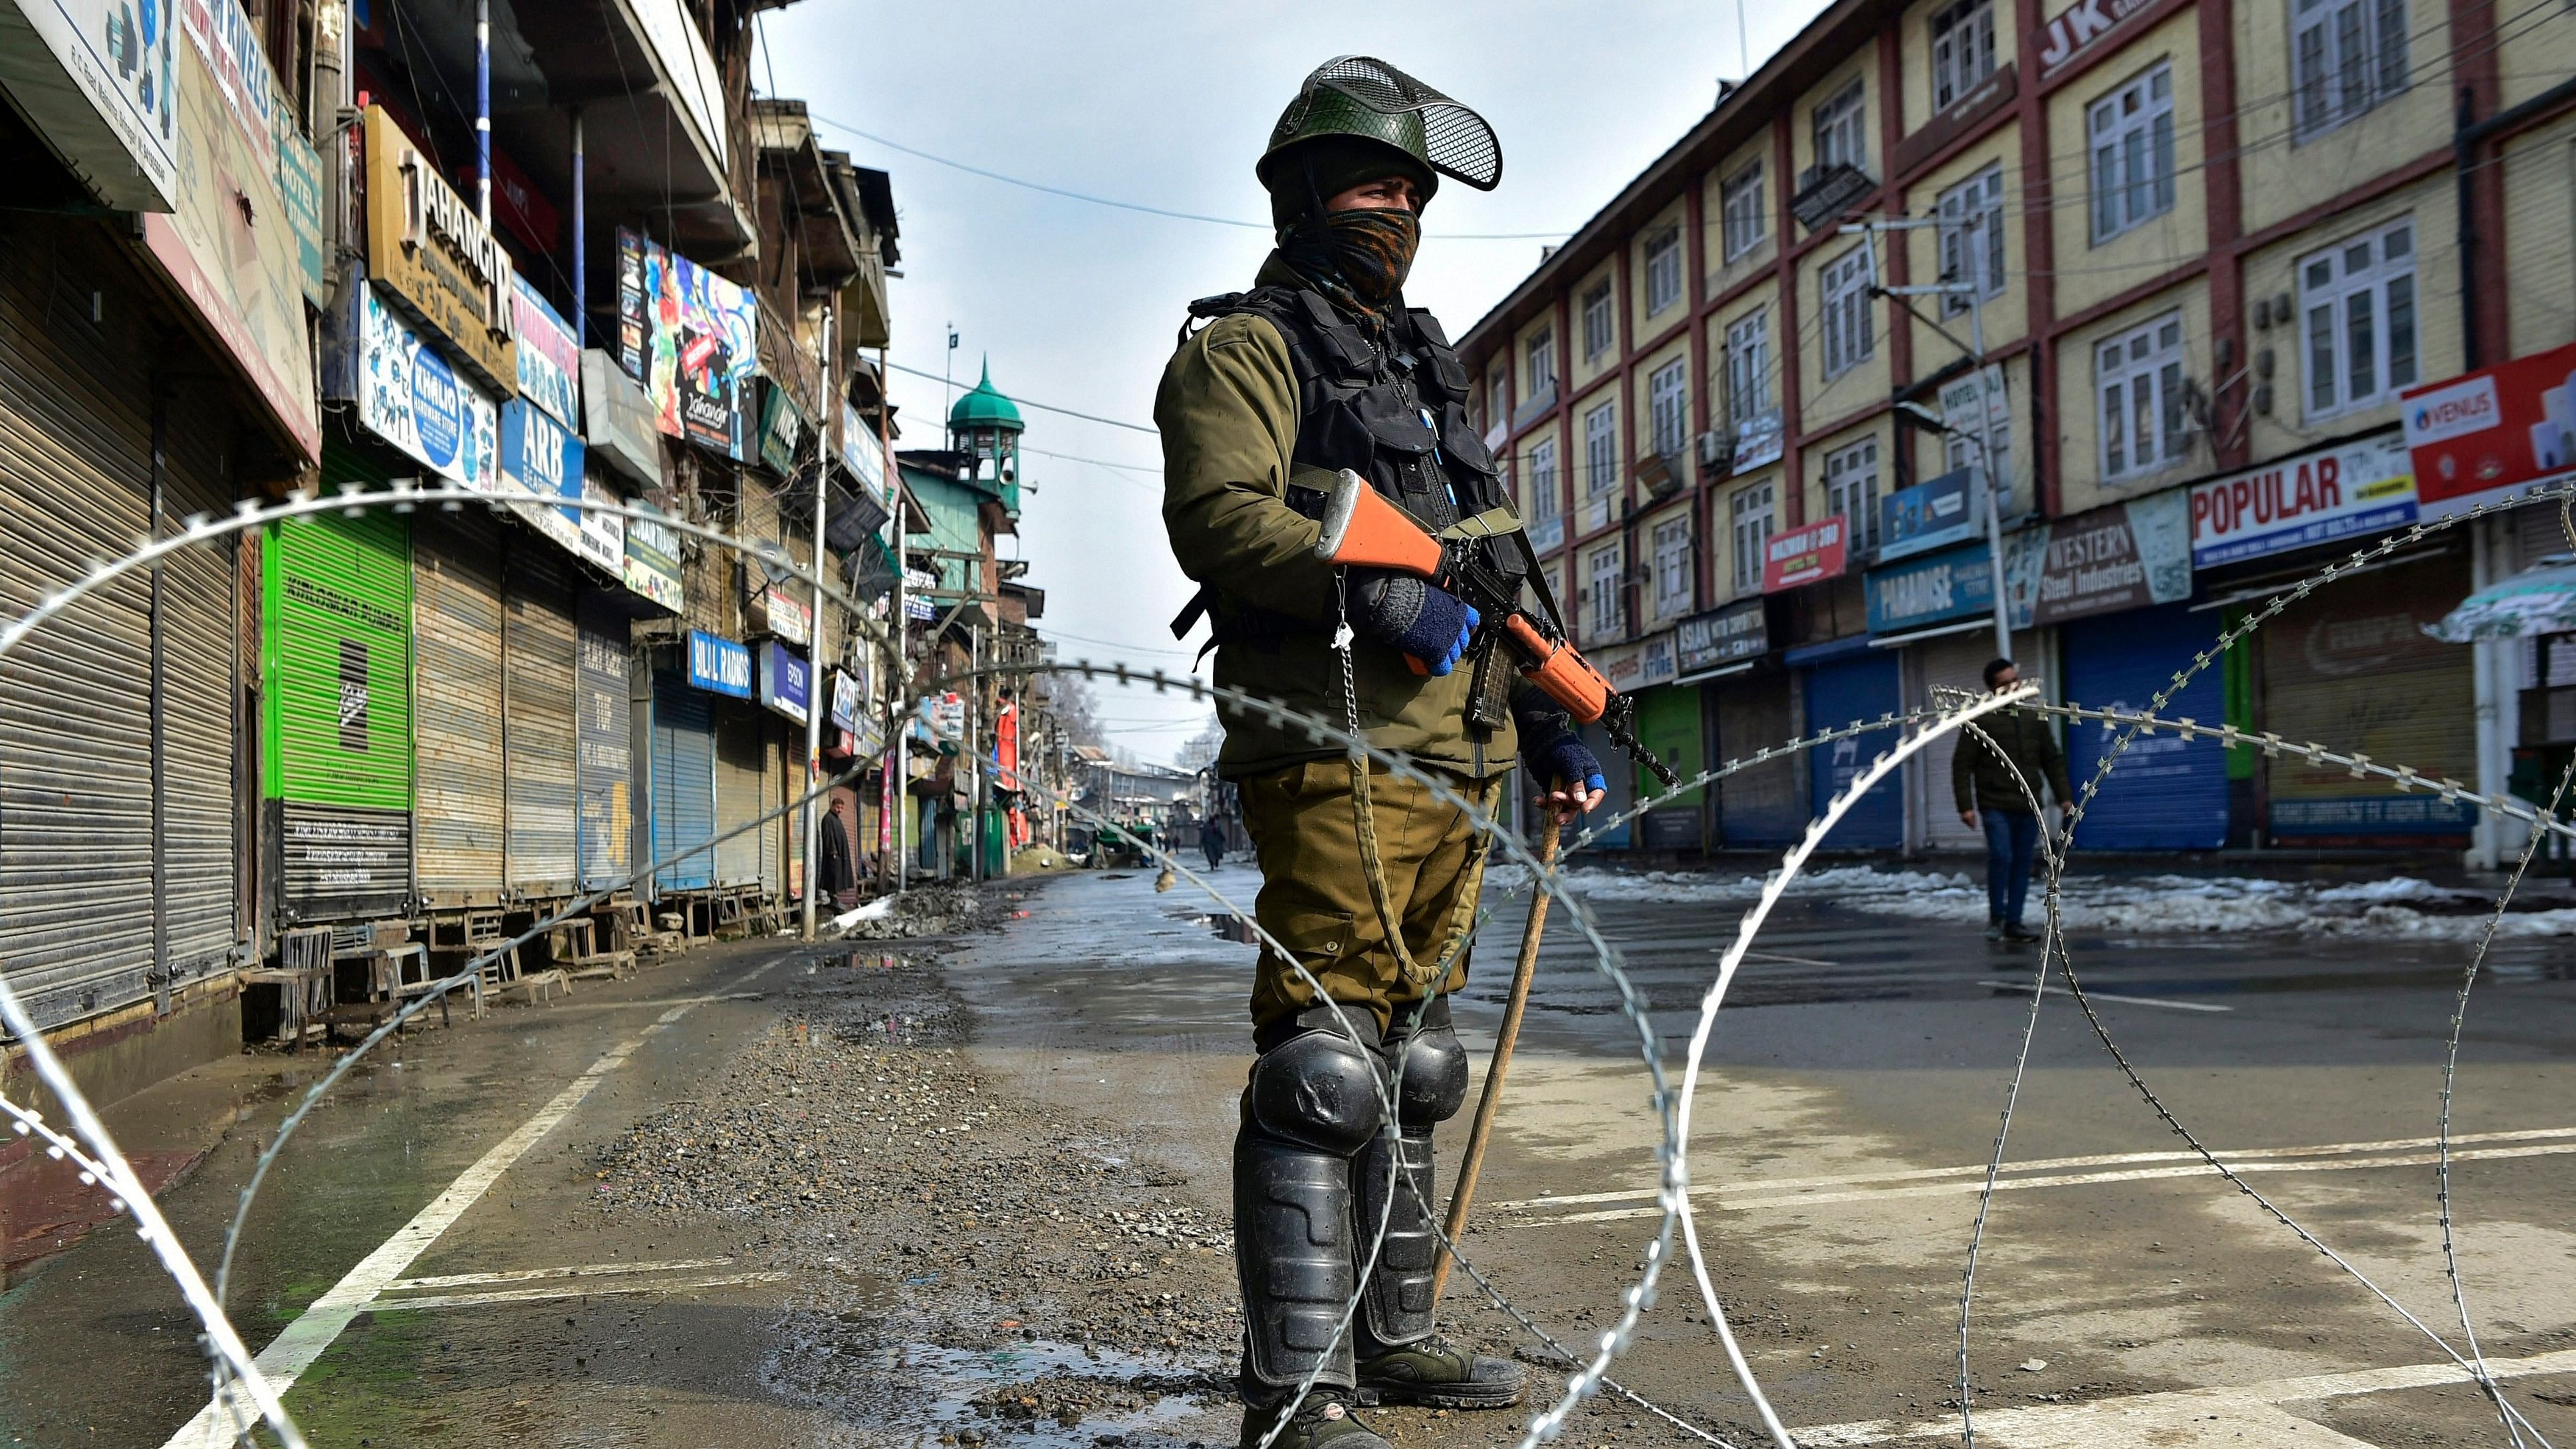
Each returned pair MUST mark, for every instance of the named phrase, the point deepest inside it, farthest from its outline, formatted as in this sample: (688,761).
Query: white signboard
(409,396)
(2334,493)
(103,91)
(603,535)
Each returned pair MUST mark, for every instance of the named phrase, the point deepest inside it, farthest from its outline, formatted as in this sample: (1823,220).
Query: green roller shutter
(1668,723)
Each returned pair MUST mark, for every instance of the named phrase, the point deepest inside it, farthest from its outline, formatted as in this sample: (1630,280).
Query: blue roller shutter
(684,782)
(1862,687)
(2165,792)
(1765,804)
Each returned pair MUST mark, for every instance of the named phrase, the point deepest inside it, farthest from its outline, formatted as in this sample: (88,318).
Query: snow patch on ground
(2402,906)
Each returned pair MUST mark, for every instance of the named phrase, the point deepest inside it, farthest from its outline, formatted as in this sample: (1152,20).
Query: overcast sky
(1167,103)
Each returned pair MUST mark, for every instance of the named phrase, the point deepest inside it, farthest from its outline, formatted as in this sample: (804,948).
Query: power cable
(1042,407)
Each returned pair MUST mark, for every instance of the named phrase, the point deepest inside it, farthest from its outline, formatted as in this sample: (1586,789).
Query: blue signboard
(1932,513)
(540,455)
(719,664)
(1955,584)
(784,678)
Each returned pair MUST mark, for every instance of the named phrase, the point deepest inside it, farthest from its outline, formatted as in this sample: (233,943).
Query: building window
(1739,205)
(1748,366)
(1748,515)
(1668,394)
(1972,236)
(1963,50)
(1498,394)
(1851,489)
(1673,566)
(2131,133)
(2346,57)
(1542,363)
(1544,501)
(1849,340)
(2139,379)
(1600,449)
(2358,299)
(1840,138)
(1663,269)
(1608,619)
(1600,324)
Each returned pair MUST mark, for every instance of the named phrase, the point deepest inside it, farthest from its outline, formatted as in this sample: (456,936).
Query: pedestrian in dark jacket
(837,878)
(1212,840)
(1989,791)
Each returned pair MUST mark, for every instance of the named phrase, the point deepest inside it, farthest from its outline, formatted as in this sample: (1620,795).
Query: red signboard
(1803,555)
(2499,427)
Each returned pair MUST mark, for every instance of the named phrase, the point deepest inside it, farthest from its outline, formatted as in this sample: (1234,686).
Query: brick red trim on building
(2039,248)
(2224,191)
(1784,272)
(1891,131)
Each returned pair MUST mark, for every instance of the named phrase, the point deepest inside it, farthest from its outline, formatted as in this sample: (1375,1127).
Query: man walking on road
(1987,786)
(839,881)
(1322,367)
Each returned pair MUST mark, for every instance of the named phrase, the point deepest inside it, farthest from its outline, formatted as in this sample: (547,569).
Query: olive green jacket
(1981,780)
(1228,411)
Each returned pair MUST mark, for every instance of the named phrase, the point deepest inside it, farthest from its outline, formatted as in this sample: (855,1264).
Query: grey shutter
(739,756)
(200,819)
(456,582)
(605,804)
(538,735)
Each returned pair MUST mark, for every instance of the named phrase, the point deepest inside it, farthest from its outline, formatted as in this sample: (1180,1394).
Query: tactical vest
(1396,416)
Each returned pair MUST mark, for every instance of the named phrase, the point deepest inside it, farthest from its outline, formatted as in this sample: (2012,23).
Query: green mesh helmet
(1361,96)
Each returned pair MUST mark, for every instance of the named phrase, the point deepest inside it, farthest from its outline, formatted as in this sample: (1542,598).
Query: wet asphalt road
(1851,1099)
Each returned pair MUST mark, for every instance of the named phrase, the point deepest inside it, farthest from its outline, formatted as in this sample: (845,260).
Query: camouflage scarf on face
(1357,258)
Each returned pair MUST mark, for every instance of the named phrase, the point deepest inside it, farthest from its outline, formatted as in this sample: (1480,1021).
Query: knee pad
(1434,1084)
(1318,1090)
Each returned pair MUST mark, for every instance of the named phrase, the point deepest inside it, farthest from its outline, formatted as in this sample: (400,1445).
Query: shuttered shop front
(75,711)
(605,806)
(1669,723)
(684,782)
(1855,687)
(456,571)
(197,898)
(741,760)
(336,753)
(2164,792)
(2351,667)
(539,728)
(1764,804)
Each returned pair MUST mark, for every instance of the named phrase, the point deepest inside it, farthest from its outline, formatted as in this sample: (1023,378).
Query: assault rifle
(1363,530)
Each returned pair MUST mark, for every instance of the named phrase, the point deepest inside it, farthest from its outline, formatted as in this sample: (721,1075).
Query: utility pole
(1983,438)
(814,651)
(899,677)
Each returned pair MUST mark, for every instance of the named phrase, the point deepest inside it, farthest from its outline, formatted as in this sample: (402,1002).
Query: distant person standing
(1987,786)
(840,885)
(1212,840)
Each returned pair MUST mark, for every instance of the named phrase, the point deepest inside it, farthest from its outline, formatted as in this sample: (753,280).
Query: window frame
(1859,530)
(1605,590)
(1668,401)
(1601,444)
(2160,364)
(1670,538)
(1750,531)
(1743,219)
(2378,281)
(1544,485)
(1751,377)
(1663,258)
(1960,34)
(2345,87)
(1971,234)
(1600,319)
(1838,120)
(1843,283)
(2139,132)
(1540,356)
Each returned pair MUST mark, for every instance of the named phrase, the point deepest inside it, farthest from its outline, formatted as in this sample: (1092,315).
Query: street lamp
(1994,513)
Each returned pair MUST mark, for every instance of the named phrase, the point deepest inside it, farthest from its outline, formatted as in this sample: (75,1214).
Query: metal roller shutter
(199,826)
(684,783)
(2165,792)
(1764,805)
(75,713)
(457,591)
(1859,688)
(773,779)
(1668,722)
(542,764)
(2538,533)
(1958,662)
(605,806)
(336,680)
(2351,668)
(739,761)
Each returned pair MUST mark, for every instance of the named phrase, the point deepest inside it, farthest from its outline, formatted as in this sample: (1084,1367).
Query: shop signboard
(847,692)
(430,252)
(691,338)
(786,681)
(299,188)
(1721,636)
(2497,428)
(2341,491)
(101,90)
(651,566)
(2078,28)
(782,430)
(1934,513)
(1757,441)
(1934,589)
(549,356)
(603,535)
(2123,556)
(616,420)
(409,396)
(226,247)
(719,665)
(777,612)
(863,453)
(1639,665)
(1804,555)
(542,459)
(228,41)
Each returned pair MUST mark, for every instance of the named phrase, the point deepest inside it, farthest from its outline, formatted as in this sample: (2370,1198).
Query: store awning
(2539,600)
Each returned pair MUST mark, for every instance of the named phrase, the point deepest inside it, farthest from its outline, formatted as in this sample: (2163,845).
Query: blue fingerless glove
(1412,617)
(1562,760)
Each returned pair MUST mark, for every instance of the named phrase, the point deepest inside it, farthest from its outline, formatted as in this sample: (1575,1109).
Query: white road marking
(666,1001)
(578,1270)
(304,1340)
(1780,956)
(2122,1421)
(2169,1005)
(570,1290)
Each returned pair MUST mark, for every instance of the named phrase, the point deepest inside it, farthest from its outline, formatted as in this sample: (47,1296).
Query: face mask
(1364,253)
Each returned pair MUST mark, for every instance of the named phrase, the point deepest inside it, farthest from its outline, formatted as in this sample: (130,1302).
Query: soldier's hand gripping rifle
(1363,530)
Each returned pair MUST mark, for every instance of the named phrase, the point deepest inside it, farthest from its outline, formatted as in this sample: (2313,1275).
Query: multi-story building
(2207,248)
